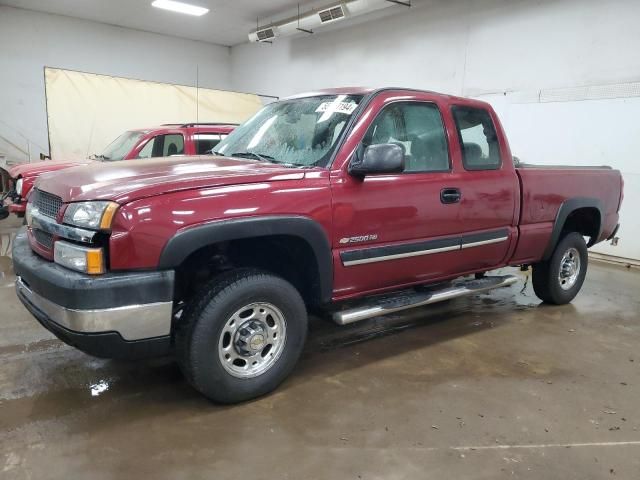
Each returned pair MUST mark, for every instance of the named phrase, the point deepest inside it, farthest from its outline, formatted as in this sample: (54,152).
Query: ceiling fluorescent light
(180,7)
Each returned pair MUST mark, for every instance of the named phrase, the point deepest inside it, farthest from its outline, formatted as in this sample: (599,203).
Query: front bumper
(116,315)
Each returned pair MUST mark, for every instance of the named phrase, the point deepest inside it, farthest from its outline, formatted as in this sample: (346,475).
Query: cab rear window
(478,139)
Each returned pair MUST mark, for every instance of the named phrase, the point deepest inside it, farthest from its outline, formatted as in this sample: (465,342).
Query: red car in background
(163,141)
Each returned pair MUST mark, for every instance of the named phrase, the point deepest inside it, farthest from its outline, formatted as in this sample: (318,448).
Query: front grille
(45,239)
(46,203)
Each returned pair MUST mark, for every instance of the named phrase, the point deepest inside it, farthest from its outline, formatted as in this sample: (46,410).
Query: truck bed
(544,189)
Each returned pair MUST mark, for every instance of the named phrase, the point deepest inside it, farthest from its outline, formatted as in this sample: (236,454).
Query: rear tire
(242,335)
(559,279)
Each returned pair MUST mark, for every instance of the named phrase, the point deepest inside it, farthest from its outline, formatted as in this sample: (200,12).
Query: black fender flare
(566,208)
(187,241)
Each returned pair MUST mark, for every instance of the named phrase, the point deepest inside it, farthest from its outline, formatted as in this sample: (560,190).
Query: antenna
(93,127)
(298,27)
(197,93)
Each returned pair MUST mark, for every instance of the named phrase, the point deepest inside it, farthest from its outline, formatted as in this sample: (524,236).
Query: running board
(405,301)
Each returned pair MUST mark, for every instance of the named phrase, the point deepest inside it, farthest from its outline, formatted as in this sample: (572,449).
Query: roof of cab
(334,91)
(208,127)
(367,91)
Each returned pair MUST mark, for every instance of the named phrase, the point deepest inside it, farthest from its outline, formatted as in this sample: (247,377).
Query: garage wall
(457,46)
(31,40)
(523,56)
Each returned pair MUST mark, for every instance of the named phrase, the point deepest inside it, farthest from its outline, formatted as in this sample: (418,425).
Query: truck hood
(128,180)
(35,169)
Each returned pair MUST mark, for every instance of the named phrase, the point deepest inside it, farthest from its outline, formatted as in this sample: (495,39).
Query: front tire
(243,335)
(558,280)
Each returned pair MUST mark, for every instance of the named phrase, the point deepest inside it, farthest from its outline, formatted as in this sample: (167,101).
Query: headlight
(93,215)
(19,186)
(82,259)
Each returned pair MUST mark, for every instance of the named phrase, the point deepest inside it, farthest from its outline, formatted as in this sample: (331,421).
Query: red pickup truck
(169,139)
(353,202)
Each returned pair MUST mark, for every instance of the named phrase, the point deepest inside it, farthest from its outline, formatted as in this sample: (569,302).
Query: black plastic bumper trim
(79,291)
(485,236)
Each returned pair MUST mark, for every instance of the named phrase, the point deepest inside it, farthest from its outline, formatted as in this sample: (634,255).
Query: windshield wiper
(264,158)
(257,156)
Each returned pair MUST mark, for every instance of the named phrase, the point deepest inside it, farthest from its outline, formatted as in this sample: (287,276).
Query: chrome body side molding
(406,250)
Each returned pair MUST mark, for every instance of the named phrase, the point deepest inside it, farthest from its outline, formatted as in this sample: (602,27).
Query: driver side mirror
(381,158)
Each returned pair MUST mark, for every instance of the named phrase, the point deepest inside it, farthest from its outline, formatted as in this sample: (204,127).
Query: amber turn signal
(107,216)
(95,262)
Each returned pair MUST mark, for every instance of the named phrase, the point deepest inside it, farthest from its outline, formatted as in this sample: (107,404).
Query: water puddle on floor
(452,318)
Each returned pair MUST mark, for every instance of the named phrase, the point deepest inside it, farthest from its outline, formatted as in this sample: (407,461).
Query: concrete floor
(491,387)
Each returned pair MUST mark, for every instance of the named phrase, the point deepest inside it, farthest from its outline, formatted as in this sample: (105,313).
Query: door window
(418,127)
(163,146)
(147,150)
(173,145)
(478,140)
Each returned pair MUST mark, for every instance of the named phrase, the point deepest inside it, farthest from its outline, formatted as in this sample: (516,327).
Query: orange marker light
(107,216)
(95,262)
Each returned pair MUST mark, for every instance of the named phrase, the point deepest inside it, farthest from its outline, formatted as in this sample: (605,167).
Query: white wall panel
(464,47)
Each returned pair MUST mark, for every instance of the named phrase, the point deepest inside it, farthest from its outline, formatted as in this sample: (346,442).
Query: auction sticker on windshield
(339,107)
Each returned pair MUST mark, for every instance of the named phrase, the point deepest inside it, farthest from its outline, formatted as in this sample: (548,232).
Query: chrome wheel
(252,340)
(569,269)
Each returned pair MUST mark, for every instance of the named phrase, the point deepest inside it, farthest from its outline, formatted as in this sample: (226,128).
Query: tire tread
(544,277)
(218,288)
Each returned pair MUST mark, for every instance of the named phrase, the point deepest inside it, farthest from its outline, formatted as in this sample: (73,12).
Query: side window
(147,150)
(205,142)
(173,145)
(163,146)
(418,127)
(477,134)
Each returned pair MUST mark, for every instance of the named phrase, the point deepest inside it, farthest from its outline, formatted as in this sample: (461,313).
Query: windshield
(297,132)
(121,146)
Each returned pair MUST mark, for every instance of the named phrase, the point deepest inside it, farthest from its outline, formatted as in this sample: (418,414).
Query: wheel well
(585,221)
(287,256)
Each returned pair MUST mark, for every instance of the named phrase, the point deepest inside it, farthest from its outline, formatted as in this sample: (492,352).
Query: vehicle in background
(353,202)
(163,141)
(6,191)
